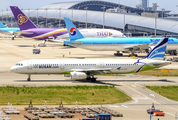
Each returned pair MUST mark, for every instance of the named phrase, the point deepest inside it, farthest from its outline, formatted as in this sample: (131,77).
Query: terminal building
(99,14)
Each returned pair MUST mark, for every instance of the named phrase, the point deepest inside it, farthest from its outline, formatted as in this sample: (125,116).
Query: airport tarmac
(12,52)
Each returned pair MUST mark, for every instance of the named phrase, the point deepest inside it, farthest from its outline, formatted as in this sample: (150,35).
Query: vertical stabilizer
(23,21)
(159,50)
(74,33)
(1,25)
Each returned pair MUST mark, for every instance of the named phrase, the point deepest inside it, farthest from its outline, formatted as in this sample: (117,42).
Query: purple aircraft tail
(23,21)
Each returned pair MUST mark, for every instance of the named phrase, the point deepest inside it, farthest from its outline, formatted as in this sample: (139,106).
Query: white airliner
(86,68)
(89,33)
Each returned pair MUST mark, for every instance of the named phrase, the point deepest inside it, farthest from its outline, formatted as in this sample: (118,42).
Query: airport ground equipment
(30,107)
(36,51)
(155,112)
(31,117)
(3,116)
(10,110)
(101,117)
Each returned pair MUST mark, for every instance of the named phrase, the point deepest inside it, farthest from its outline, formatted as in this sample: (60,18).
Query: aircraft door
(101,65)
(29,65)
(62,65)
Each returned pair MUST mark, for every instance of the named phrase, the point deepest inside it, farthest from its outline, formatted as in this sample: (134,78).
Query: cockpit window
(19,64)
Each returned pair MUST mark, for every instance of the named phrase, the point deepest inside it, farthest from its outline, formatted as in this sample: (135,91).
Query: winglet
(1,25)
(23,21)
(74,33)
(159,50)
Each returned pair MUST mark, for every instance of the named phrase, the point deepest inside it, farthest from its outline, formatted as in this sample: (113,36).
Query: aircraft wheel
(88,78)
(28,79)
(93,79)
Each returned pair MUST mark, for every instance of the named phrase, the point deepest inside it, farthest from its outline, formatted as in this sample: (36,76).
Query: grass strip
(169,92)
(68,94)
(157,72)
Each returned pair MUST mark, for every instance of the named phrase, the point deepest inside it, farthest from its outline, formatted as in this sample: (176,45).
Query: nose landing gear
(29,78)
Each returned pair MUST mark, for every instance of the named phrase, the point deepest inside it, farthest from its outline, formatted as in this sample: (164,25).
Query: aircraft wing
(25,33)
(99,70)
(6,32)
(57,40)
(137,47)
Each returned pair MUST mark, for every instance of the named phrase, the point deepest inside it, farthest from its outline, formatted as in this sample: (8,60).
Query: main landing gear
(130,55)
(118,54)
(29,78)
(42,44)
(91,77)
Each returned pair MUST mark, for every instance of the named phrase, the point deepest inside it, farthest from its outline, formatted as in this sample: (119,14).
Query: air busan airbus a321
(86,68)
(28,29)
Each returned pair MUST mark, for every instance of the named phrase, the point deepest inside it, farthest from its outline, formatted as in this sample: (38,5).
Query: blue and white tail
(159,50)
(74,33)
(1,25)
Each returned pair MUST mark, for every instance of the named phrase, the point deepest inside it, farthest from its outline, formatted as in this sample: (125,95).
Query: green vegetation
(166,91)
(148,67)
(157,72)
(69,95)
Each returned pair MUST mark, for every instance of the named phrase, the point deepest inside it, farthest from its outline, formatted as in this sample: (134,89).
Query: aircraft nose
(13,69)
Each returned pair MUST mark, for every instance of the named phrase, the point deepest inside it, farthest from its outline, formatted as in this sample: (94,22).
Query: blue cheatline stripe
(158,56)
(161,49)
(140,68)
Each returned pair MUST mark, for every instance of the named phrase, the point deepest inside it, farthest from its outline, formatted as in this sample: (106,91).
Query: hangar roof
(62,5)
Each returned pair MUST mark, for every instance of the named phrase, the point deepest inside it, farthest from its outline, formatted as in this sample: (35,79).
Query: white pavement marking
(169,113)
(133,86)
(113,106)
(124,106)
(152,95)
(142,94)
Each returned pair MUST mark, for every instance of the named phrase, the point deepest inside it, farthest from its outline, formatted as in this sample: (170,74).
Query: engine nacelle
(78,75)
(150,48)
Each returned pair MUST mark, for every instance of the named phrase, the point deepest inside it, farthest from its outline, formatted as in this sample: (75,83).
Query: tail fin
(159,50)
(74,33)
(23,21)
(1,25)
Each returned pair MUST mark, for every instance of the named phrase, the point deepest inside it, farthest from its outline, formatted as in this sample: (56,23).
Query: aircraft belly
(102,47)
(45,71)
(172,47)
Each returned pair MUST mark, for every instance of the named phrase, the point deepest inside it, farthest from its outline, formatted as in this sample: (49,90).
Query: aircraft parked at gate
(85,68)
(116,44)
(28,29)
(5,30)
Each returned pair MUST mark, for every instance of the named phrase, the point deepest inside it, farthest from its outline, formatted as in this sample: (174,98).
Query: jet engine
(78,75)
(150,48)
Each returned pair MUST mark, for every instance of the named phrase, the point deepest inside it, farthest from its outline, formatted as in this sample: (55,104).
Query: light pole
(59,16)
(7,15)
(124,21)
(155,18)
(86,8)
(29,13)
(2,15)
(103,16)
(162,12)
(37,16)
(46,16)
(72,14)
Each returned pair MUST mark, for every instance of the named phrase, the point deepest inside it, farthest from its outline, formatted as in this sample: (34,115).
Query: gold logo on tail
(22,19)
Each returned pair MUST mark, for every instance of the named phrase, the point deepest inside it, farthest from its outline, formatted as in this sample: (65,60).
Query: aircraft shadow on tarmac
(101,82)
(24,45)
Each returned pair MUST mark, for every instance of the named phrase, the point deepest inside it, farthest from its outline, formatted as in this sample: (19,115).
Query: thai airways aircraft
(86,68)
(28,29)
(116,44)
(5,30)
